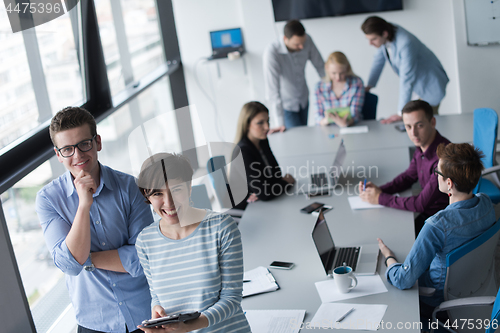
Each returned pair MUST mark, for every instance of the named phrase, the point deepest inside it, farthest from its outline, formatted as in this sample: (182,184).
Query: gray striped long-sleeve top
(202,272)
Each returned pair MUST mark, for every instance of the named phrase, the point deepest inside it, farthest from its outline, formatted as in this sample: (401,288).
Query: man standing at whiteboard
(419,70)
(285,60)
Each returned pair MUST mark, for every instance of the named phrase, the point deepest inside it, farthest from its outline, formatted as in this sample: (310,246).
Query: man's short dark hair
(294,28)
(418,105)
(377,25)
(461,162)
(71,117)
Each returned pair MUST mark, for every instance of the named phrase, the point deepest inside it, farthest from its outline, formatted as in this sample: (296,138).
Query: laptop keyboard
(319,179)
(347,255)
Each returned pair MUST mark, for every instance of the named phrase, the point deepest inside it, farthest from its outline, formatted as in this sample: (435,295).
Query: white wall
(194,19)
(438,24)
(478,68)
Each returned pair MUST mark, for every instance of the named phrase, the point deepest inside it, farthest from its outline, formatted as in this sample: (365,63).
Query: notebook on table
(258,280)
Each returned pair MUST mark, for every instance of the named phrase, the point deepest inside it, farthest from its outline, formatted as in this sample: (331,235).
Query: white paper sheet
(356,203)
(275,321)
(364,317)
(354,130)
(367,285)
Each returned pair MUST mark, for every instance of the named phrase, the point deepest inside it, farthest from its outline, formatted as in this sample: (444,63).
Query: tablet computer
(170,319)
(342,112)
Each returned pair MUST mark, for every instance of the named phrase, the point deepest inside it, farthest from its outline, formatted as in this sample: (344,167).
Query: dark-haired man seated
(420,126)
(90,217)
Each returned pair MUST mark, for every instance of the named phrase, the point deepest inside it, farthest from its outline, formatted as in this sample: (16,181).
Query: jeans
(294,119)
(88,330)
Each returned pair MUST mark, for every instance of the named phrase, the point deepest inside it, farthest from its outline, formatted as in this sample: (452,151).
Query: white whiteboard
(483,21)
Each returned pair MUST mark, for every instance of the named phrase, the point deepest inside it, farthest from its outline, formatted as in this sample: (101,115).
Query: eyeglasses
(436,172)
(83,146)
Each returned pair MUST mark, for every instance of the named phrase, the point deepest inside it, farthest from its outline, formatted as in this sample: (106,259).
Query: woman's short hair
(377,25)
(247,113)
(461,162)
(161,167)
(338,57)
(69,118)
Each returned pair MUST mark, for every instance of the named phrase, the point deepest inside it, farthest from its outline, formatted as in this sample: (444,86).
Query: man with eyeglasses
(420,124)
(90,217)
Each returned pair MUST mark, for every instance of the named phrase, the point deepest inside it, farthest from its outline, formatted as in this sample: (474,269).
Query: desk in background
(276,230)
(315,139)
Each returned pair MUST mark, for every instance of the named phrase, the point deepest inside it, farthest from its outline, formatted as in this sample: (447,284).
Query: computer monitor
(226,41)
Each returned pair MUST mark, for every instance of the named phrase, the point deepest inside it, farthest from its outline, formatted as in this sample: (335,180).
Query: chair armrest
(463,302)
(235,212)
(426,291)
(490,170)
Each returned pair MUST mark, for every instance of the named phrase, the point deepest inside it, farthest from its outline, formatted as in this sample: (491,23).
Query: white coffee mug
(344,279)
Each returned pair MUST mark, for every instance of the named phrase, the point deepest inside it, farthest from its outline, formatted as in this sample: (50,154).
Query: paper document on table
(356,203)
(362,317)
(275,321)
(354,130)
(367,285)
(260,280)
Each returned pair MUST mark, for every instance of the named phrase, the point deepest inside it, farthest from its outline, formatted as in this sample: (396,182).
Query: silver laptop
(362,259)
(329,179)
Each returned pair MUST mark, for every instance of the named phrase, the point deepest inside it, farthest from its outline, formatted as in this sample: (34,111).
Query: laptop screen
(323,241)
(338,161)
(230,38)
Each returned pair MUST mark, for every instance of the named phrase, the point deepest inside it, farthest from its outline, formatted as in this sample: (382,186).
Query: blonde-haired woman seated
(340,95)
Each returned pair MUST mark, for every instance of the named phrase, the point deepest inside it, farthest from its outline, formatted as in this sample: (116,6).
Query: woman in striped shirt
(341,88)
(192,258)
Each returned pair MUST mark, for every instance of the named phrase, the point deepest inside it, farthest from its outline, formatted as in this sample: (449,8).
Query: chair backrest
(485,137)
(369,110)
(216,167)
(199,196)
(495,315)
(471,272)
(485,134)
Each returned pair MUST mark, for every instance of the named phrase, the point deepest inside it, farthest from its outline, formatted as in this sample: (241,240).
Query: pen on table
(345,315)
(364,185)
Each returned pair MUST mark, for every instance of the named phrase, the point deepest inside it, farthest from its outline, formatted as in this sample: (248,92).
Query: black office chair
(369,110)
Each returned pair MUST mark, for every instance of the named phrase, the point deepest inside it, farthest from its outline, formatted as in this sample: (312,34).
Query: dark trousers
(88,330)
(294,119)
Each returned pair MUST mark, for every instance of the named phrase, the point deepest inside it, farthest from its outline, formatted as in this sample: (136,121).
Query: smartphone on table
(312,207)
(281,265)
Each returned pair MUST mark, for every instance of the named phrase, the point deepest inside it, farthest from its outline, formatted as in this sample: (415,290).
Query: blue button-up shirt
(103,300)
(443,232)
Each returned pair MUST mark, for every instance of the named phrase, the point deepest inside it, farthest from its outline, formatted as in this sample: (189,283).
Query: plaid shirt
(353,95)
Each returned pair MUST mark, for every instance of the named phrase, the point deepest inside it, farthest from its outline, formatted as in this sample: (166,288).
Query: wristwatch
(91,267)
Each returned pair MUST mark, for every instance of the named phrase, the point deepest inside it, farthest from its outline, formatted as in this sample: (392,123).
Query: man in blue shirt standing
(421,75)
(90,217)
